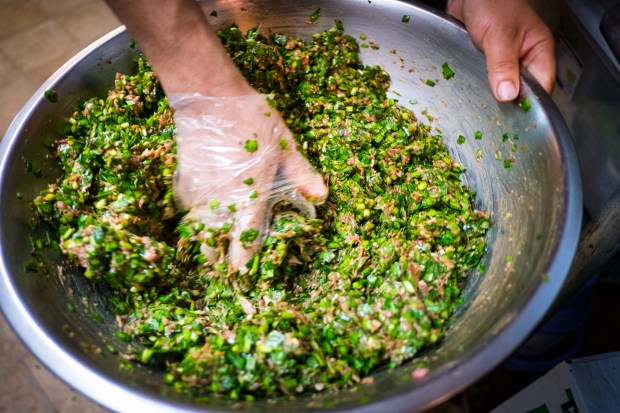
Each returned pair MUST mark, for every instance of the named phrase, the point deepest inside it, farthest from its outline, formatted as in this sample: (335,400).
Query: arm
(510,33)
(216,113)
(182,46)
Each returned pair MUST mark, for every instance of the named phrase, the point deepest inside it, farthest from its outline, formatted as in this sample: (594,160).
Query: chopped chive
(315,15)
(251,145)
(51,95)
(526,105)
(447,71)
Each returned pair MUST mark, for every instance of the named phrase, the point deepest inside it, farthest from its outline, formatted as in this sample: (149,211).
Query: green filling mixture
(367,284)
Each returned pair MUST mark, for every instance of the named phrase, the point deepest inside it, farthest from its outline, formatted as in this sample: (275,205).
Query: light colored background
(36,38)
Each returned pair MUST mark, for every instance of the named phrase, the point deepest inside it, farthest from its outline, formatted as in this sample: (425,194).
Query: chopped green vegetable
(251,145)
(315,15)
(366,285)
(248,236)
(478,135)
(460,140)
(526,105)
(447,71)
(406,18)
(51,95)
(430,82)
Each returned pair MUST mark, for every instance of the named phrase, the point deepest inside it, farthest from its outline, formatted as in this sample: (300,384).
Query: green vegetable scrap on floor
(368,283)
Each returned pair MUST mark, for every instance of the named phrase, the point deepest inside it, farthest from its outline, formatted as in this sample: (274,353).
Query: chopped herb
(447,71)
(248,236)
(339,24)
(283,144)
(478,135)
(213,13)
(326,301)
(315,15)
(51,95)
(251,145)
(430,82)
(526,105)
(406,18)
(460,140)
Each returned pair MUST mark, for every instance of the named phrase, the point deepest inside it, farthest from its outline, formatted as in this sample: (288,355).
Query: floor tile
(62,397)
(38,45)
(89,21)
(58,7)
(17,16)
(16,91)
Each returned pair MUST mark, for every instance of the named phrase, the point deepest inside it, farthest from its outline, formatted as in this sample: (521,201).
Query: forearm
(181,45)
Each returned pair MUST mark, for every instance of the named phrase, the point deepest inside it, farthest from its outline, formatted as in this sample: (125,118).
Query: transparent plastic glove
(235,159)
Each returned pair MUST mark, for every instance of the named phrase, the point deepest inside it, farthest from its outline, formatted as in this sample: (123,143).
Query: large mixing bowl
(535,207)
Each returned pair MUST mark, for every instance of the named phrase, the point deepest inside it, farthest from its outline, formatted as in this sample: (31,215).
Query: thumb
(502,55)
(297,172)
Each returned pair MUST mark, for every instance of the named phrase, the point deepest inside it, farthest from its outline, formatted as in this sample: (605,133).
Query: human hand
(235,159)
(510,33)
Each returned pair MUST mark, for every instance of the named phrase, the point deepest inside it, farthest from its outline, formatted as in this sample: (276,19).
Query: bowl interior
(535,207)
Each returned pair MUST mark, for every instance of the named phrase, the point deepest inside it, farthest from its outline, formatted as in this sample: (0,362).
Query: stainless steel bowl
(535,207)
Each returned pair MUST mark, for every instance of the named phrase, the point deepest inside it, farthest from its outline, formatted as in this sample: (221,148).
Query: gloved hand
(235,159)
(510,33)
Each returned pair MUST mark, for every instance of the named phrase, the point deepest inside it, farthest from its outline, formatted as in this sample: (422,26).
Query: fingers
(540,60)
(298,173)
(502,65)
(511,34)
(533,49)
(247,234)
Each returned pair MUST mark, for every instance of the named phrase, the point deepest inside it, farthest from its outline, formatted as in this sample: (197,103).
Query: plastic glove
(235,159)
(509,33)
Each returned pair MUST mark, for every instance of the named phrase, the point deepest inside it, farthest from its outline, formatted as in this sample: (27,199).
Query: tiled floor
(36,38)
